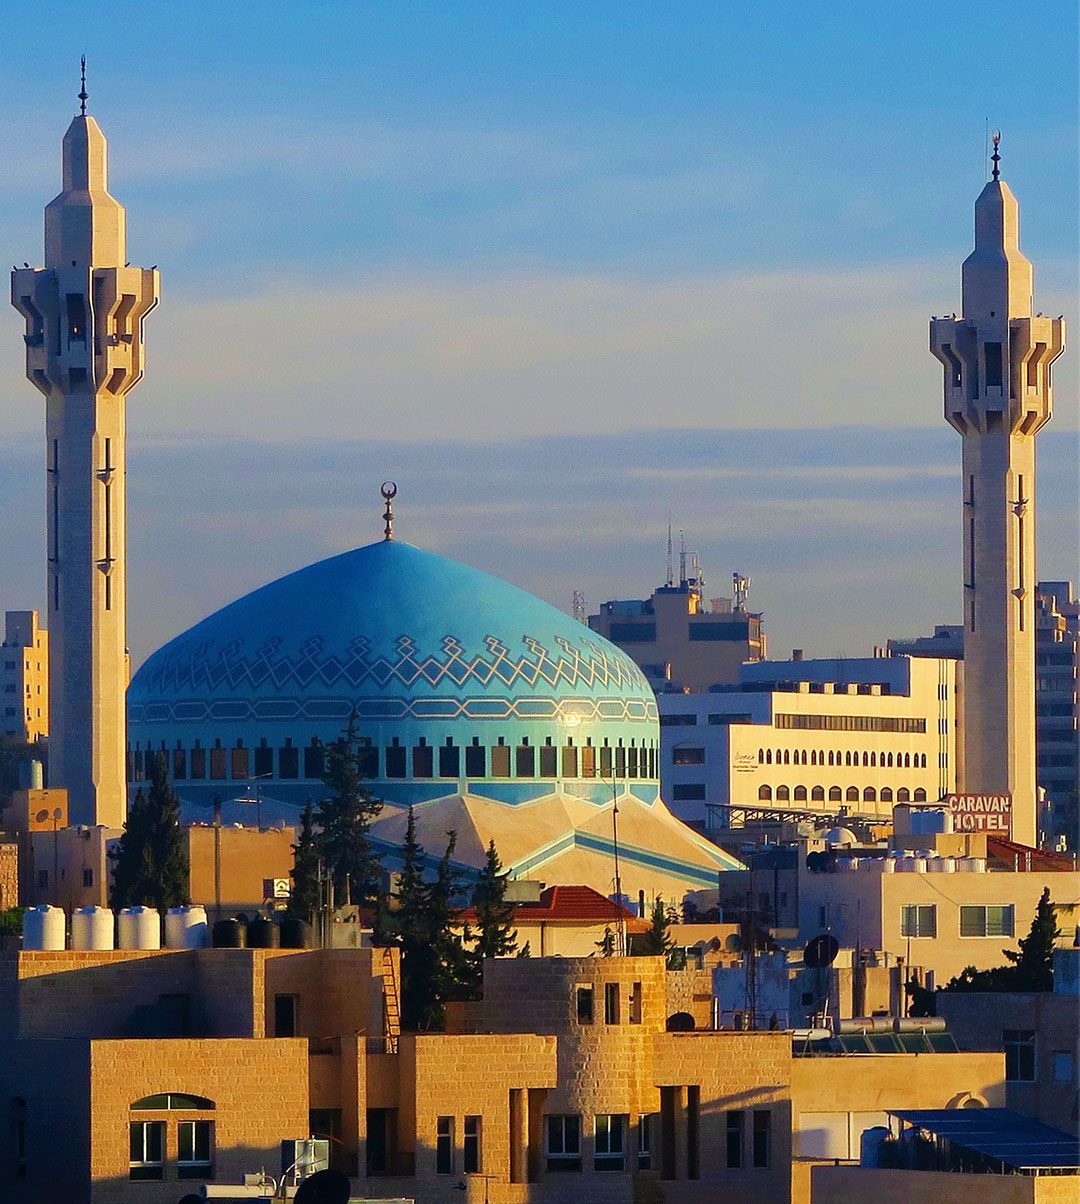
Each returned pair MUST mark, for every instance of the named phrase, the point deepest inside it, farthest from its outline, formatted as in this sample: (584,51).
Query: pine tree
(304,898)
(344,818)
(657,940)
(150,865)
(1033,964)
(495,936)
(606,944)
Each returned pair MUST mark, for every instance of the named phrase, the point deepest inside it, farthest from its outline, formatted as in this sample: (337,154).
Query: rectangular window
(473,1151)
(1019,1047)
(194,1142)
(632,633)
(635,1003)
(475,761)
(263,760)
(693,1132)
(712,631)
(993,920)
(525,761)
(285,1015)
(688,792)
(1063,1066)
(762,1138)
(585,1010)
(313,761)
(734,1139)
(87,876)
(449,761)
(588,761)
(687,754)
(644,1142)
(289,762)
(611,1003)
(395,761)
(609,1151)
(563,1143)
(198,763)
(549,761)
(423,762)
(147,1156)
(500,761)
(992,351)
(569,761)
(179,765)
(444,1145)
(239,757)
(217,764)
(918,919)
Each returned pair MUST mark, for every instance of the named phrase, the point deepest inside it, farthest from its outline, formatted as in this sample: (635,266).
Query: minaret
(997,359)
(84,351)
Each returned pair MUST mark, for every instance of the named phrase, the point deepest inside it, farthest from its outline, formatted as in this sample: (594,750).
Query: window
(314,760)
(852,794)
(978,920)
(239,763)
(444,1145)
(817,795)
(449,760)
(835,794)
(678,720)
(783,794)
(734,1139)
(688,792)
(395,761)
(800,794)
(762,1138)
(500,761)
(285,1015)
(688,754)
(172,1102)
(1019,1046)
(525,761)
(194,1141)
(611,1003)
(644,1142)
(564,1143)
(423,760)
(584,1005)
(1063,1066)
(475,761)
(610,1141)
(764,792)
(635,1003)
(87,876)
(147,1156)
(918,919)
(473,1152)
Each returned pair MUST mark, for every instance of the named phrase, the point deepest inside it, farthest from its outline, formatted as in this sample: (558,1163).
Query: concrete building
(24,677)
(812,736)
(997,357)
(136,1075)
(678,642)
(84,351)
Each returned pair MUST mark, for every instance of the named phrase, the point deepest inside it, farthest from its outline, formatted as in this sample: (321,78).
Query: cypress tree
(344,817)
(150,865)
(495,936)
(304,898)
(657,940)
(1033,964)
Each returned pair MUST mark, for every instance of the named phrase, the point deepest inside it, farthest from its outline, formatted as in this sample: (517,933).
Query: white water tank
(911,865)
(44,927)
(971,865)
(92,928)
(138,928)
(941,865)
(186,928)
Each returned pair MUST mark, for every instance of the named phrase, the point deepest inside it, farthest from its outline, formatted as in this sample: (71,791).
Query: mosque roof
(395,632)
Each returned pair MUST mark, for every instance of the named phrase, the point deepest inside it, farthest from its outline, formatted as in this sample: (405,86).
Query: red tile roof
(571,904)
(1024,857)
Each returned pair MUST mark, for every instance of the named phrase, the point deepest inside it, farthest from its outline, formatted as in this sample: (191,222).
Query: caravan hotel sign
(981,813)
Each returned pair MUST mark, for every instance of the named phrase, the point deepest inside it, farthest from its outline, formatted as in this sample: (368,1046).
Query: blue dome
(454,675)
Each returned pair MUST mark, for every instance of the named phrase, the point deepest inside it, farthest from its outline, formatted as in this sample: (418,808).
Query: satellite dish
(58,813)
(324,1187)
(41,817)
(821,951)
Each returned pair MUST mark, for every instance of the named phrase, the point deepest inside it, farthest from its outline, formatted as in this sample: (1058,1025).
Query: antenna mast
(579,607)
(670,563)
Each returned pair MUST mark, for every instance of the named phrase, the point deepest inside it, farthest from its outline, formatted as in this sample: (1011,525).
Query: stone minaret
(84,351)
(997,359)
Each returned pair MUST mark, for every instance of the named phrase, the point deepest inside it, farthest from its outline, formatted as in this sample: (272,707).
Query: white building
(813,736)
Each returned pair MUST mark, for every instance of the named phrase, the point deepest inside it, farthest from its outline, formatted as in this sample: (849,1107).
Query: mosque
(490,712)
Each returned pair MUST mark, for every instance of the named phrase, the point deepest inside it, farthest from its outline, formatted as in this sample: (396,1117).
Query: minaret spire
(389,492)
(84,96)
(84,315)
(998,396)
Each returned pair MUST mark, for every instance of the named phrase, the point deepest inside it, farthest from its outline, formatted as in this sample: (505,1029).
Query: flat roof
(1008,1137)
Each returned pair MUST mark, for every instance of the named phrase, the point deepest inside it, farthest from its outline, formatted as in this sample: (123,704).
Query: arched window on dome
(569,760)
(869,795)
(836,795)
(799,794)
(549,759)
(907,760)
(423,759)
(449,760)
(852,794)
(886,794)
(395,759)
(764,792)
(500,759)
(475,759)
(525,760)
(783,794)
(817,794)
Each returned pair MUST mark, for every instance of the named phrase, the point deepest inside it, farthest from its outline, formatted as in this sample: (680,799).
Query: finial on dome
(83,94)
(995,156)
(389,492)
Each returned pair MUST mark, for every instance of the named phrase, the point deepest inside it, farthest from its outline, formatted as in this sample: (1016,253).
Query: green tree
(150,865)
(606,944)
(344,817)
(304,898)
(1033,963)
(495,934)
(657,940)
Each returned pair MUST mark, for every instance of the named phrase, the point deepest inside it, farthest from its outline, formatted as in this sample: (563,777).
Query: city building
(812,737)
(489,712)
(1057,665)
(136,1075)
(24,677)
(84,314)
(678,642)
(997,360)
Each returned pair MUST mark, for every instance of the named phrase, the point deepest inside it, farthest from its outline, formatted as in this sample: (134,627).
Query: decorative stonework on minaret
(997,359)
(84,351)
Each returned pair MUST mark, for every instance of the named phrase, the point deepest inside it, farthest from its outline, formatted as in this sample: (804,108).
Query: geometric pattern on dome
(383,707)
(187,669)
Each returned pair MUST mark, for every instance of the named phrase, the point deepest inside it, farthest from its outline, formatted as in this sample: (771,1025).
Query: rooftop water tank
(870,1145)
(229,934)
(93,928)
(138,928)
(186,928)
(941,865)
(44,927)
(971,865)
(297,934)
(263,934)
(911,865)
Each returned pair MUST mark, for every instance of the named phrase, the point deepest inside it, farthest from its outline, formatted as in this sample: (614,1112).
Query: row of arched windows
(836,794)
(871,760)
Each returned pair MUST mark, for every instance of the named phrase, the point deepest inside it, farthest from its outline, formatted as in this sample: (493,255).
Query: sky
(562,270)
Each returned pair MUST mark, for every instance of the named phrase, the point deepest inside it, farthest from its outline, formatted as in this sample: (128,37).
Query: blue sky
(485,223)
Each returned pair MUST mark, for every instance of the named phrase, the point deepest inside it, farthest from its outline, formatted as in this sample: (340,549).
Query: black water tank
(296,934)
(263,934)
(228,934)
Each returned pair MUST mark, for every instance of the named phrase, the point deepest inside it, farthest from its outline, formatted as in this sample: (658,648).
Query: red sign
(981,813)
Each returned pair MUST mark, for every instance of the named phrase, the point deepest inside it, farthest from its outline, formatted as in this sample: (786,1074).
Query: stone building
(24,677)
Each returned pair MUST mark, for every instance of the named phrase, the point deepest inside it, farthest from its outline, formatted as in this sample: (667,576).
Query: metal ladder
(391,1002)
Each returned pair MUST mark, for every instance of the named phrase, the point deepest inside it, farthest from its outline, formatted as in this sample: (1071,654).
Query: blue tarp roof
(999,1133)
